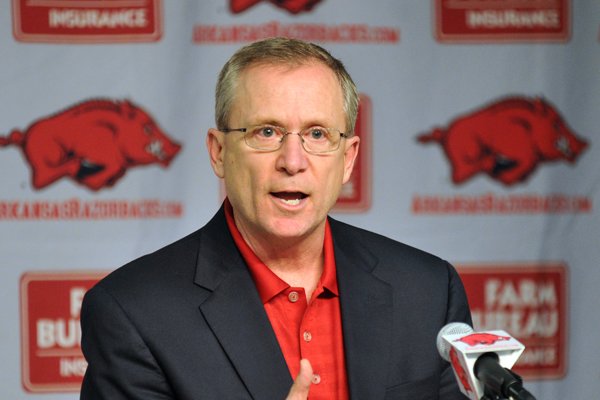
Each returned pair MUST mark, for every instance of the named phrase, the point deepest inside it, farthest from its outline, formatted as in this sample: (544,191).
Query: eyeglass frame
(249,129)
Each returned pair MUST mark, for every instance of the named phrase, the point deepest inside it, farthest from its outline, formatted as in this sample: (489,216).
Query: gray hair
(278,51)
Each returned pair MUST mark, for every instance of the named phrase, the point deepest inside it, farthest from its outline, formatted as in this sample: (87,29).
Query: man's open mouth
(291,198)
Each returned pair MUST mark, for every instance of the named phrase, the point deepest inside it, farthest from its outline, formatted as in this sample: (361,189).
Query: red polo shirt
(304,330)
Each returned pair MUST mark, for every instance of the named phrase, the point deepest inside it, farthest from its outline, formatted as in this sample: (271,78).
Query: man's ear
(350,153)
(215,144)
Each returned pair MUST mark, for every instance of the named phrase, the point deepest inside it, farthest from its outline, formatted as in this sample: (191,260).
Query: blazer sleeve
(120,365)
(458,311)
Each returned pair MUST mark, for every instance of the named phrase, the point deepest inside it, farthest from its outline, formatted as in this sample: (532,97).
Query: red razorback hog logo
(293,6)
(460,371)
(475,339)
(506,140)
(93,143)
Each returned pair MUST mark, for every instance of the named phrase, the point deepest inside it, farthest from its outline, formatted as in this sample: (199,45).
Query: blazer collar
(231,301)
(367,306)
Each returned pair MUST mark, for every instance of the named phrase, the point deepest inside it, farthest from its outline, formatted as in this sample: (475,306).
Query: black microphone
(499,380)
(481,362)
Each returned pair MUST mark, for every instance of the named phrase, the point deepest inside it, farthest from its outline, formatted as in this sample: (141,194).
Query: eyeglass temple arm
(227,130)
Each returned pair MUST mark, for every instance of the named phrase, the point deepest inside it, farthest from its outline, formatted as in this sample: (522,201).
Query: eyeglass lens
(315,139)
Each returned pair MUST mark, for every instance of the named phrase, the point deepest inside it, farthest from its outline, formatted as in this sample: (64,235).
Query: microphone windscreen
(453,328)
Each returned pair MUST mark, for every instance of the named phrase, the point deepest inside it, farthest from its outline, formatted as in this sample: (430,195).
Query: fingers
(301,386)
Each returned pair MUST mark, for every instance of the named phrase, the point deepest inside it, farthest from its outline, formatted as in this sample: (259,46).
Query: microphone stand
(494,394)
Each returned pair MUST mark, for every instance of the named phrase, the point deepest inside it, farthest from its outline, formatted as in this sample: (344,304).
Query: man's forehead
(263,91)
(306,76)
(258,67)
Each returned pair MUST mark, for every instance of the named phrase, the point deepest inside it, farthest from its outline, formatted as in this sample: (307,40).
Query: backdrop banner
(478,125)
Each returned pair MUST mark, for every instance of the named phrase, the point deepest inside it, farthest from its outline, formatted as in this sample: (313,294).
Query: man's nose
(292,156)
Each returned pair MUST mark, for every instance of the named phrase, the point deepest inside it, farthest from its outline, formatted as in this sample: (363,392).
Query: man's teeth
(291,202)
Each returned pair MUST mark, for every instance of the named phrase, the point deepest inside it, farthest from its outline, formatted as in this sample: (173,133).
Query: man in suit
(272,288)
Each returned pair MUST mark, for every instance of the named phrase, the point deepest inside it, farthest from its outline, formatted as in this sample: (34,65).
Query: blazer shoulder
(170,268)
(382,247)
(167,264)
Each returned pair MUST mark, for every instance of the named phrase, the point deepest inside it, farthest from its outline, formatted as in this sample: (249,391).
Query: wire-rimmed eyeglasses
(315,139)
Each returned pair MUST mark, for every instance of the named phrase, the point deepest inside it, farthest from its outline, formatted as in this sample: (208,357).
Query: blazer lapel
(366,306)
(236,315)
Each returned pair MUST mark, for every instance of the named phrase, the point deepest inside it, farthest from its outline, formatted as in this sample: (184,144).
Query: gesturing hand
(301,386)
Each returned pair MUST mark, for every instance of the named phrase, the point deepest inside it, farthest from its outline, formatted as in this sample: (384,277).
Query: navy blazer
(186,322)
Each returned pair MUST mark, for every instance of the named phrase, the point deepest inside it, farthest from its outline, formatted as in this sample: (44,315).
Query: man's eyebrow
(257,121)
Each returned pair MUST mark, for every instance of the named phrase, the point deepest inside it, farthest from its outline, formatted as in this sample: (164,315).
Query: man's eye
(317,133)
(266,132)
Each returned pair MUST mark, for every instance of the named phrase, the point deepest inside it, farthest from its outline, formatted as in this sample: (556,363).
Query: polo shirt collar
(267,283)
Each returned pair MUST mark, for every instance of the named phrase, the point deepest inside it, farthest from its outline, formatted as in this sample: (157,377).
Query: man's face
(285,193)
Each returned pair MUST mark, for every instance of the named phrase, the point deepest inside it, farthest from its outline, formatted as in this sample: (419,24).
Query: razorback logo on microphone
(72,21)
(482,338)
(293,6)
(506,140)
(459,368)
(93,143)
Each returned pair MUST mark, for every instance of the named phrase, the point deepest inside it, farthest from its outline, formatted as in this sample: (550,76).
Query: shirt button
(293,297)
(307,336)
(316,379)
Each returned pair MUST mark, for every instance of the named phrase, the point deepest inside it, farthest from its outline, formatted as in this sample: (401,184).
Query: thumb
(301,386)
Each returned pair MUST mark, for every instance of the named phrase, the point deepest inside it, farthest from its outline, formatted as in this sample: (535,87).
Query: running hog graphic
(506,140)
(293,6)
(475,339)
(460,370)
(93,143)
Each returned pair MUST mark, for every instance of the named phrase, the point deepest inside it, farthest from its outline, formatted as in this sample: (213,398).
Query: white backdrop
(417,73)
